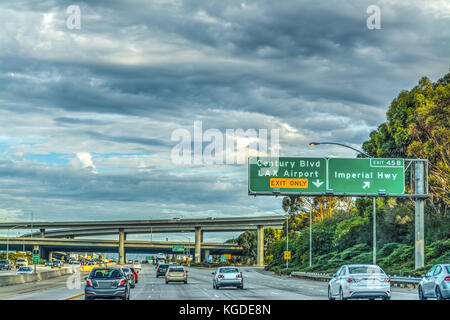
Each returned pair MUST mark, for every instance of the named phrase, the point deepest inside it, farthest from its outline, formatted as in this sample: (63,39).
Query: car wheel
(421,296)
(330,297)
(439,294)
(217,287)
(88,298)
(386,298)
(241,286)
(185,282)
(167,282)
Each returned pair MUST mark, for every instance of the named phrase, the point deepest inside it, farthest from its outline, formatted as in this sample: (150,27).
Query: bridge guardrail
(396,281)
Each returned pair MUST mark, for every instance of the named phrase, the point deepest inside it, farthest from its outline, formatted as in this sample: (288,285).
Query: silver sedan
(436,283)
(228,277)
(358,281)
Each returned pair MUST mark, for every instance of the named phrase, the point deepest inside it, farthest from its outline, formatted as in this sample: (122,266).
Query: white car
(137,265)
(24,270)
(21,262)
(359,281)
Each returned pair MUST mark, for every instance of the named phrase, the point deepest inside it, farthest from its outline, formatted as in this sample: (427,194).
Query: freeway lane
(258,285)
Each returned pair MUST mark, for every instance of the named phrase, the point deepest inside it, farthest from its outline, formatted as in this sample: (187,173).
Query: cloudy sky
(86,115)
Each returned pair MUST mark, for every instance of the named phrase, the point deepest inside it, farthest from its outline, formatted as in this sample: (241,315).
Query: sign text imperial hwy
(316,176)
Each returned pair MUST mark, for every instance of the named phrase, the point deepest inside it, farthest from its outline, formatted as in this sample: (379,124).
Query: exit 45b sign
(314,176)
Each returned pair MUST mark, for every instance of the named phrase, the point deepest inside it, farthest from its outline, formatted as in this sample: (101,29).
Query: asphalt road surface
(258,285)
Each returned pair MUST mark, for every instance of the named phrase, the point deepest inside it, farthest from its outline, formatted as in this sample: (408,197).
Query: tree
(418,126)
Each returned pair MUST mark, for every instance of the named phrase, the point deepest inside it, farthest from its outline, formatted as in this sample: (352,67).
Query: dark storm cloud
(127,139)
(137,70)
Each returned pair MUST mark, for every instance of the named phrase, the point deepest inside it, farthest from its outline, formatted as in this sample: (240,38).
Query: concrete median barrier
(9,280)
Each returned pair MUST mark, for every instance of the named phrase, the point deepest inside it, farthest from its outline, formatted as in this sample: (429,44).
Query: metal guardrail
(402,282)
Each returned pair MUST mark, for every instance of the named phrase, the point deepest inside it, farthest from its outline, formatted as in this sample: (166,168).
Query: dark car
(107,282)
(57,264)
(5,264)
(162,269)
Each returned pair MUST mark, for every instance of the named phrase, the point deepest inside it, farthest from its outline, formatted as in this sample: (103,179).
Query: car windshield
(228,270)
(105,273)
(24,269)
(364,269)
(126,269)
(20,260)
(164,266)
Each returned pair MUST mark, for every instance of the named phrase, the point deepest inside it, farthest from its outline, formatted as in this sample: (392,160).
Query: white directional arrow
(366,185)
(317,183)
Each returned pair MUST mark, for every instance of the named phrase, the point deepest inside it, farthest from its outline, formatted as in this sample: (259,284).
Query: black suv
(162,269)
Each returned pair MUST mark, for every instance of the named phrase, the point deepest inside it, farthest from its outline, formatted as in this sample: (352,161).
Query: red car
(135,274)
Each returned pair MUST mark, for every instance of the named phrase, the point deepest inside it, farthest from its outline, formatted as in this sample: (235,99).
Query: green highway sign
(366,176)
(325,176)
(223,258)
(286,174)
(35,258)
(178,248)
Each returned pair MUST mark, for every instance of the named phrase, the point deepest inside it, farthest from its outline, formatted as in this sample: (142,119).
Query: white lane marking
(149,297)
(274,293)
(216,296)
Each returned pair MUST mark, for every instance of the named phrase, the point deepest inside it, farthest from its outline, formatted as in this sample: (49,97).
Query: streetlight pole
(287,239)
(310,239)
(374,218)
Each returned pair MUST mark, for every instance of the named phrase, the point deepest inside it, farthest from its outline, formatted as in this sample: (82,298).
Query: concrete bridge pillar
(42,233)
(121,246)
(260,247)
(50,256)
(198,240)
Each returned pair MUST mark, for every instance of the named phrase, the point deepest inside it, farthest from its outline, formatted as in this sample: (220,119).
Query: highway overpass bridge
(69,230)
(49,245)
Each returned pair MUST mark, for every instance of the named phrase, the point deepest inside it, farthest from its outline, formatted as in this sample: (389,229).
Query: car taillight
(167,271)
(349,280)
(387,279)
(447,279)
(238,276)
(88,283)
(122,282)
(220,276)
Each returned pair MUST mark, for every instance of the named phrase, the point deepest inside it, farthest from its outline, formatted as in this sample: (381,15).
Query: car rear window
(228,270)
(176,269)
(364,269)
(164,266)
(447,268)
(105,273)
